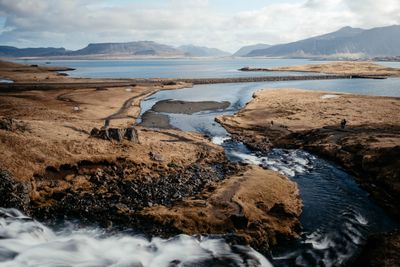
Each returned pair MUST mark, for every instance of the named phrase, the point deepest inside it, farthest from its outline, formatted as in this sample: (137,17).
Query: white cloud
(74,23)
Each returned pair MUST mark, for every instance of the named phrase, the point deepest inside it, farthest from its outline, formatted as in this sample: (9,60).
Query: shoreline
(106,82)
(356,69)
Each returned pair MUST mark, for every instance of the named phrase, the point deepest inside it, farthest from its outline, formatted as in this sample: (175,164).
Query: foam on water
(26,242)
(219,140)
(287,162)
(6,81)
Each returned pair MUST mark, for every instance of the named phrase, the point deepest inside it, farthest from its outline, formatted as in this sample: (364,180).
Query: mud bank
(187,107)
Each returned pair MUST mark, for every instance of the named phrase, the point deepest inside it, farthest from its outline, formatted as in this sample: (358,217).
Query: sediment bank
(352,68)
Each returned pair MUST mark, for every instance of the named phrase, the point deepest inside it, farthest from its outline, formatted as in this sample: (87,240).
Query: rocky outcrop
(9,124)
(247,205)
(13,194)
(258,206)
(116,134)
(111,192)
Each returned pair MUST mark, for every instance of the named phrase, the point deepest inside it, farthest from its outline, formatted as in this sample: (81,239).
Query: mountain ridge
(247,49)
(202,51)
(380,41)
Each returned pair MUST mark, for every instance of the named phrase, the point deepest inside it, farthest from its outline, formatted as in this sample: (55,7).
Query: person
(343,123)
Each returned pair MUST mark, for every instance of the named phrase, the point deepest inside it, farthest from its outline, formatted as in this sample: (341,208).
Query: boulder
(7,124)
(116,134)
(131,134)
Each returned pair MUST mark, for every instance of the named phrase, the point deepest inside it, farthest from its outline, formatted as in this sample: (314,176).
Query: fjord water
(169,68)
(337,214)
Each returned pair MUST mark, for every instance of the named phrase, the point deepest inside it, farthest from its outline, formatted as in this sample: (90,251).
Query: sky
(224,24)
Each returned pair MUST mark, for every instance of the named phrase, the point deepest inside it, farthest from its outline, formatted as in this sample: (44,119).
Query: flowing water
(337,215)
(25,242)
(6,81)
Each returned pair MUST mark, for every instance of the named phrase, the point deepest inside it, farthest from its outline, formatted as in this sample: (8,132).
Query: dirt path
(121,113)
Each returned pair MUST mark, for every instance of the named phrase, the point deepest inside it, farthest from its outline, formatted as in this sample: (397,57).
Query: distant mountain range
(10,51)
(347,42)
(247,49)
(376,42)
(142,48)
(133,49)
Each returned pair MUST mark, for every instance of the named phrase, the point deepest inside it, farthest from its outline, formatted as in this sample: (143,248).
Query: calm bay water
(222,68)
(170,68)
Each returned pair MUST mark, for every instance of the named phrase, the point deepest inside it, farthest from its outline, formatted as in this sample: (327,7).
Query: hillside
(202,51)
(384,41)
(141,48)
(10,51)
(247,49)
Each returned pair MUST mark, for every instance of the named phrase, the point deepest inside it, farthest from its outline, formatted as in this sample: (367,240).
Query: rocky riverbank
(367,146)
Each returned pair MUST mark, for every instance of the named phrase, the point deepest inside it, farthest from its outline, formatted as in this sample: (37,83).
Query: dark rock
(131,135)
(104,133)
(380,250)
(7,124)
(118,190)
(94,132)
(13,194)
(239,221)
(116,134)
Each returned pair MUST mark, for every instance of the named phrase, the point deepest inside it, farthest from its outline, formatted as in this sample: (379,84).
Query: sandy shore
(52,167)
(352,68)
(368,146)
